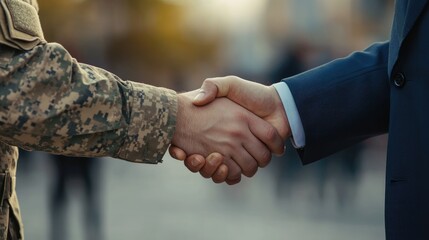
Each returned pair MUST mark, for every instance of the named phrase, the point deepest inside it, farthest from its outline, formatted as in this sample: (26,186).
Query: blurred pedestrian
(79,177)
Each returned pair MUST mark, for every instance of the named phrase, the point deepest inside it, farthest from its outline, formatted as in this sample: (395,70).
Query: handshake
(229,127)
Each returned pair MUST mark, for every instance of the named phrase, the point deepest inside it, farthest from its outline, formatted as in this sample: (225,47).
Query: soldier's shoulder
(20,24)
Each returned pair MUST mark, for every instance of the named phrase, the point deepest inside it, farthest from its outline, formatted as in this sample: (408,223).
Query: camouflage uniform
(50,102)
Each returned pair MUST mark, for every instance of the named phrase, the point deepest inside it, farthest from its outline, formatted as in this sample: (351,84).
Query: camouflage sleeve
(50,102)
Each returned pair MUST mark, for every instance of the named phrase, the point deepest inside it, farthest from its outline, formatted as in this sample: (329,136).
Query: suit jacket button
(399,80)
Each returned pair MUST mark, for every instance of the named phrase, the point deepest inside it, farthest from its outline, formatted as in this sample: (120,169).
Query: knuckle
(265,158)
(209,80)
(236,134)
(250,169)
(252,172)
(234,171)
(234,174)
(234,78)
(271,134)
(243,116)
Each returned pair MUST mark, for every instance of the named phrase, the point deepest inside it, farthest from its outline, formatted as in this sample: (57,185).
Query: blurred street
(177,44)
(167,202)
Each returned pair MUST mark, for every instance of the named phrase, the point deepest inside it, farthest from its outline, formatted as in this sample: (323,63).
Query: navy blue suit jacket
(382,89)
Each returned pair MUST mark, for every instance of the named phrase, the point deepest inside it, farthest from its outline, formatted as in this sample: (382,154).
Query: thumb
(211,88)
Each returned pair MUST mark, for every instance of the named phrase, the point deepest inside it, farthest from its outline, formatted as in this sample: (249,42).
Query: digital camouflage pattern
(50,102)
(9,213)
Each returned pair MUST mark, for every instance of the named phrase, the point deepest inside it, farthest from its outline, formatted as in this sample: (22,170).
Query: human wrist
(182,119)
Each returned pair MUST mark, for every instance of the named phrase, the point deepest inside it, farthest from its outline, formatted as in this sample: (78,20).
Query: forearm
(52,103)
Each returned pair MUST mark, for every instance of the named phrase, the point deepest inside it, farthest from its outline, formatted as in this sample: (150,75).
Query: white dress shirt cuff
(298,135)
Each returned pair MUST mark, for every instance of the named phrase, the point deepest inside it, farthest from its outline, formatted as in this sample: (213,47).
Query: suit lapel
(413,11)
(406,14)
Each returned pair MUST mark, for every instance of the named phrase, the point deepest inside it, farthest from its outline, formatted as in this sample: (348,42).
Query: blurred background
(177,44)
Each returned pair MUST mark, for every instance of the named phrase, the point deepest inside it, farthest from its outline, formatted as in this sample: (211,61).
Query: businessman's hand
(244,140)
(257,98)
(260,99)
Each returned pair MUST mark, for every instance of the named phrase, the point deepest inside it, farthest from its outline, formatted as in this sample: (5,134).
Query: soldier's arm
(50,102)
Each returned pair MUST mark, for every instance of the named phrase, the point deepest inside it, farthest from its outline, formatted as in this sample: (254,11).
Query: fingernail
(210,159)
(173,155)
(195,162)
(220,173)
(199,96)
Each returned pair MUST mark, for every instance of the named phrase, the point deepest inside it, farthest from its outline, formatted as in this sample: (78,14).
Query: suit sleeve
(342,102)
(50,102)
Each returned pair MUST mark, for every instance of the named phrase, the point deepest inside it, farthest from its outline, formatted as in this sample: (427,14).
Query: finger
(267,134)
(213,162)
(206,94)
(234,171)
(230,87)
(177,153)
(248,165)
(214,87)
(221,174)
(258,151)
(195,162)
(232,182)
